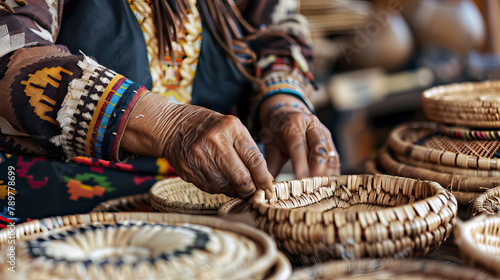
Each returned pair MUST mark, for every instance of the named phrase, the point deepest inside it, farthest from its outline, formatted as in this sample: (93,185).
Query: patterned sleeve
(283,63)
(55,103)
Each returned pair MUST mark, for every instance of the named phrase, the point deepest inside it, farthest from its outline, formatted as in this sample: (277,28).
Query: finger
(275,159)
(256,164)
(318,151)
(297,149)
(333,161)
(235,171)
(217,182)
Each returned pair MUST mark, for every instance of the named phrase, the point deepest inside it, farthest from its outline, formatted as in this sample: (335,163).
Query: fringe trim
(68,113)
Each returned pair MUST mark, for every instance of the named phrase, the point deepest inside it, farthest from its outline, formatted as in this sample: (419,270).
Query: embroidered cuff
(95,111)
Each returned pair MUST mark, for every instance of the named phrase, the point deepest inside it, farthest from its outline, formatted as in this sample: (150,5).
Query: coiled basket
(138,246)
(356,216)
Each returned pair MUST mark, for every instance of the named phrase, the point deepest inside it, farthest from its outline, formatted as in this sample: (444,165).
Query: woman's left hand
(292,132)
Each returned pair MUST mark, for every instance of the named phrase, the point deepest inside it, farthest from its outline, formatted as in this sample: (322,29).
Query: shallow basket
(418,142)
(487,203)
(478,242)
(356,216)
(177,196)
(138,246)
(131,203)
(464,104)
(388,269)
(464,188)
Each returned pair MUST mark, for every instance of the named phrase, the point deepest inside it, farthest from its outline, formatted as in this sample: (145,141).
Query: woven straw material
(464,104)
(138,246)
(478,240)
(131,203)
(487,203)
(356,216)
(177,196)
(475,154)
(464,188)
(388,269)
(469,134)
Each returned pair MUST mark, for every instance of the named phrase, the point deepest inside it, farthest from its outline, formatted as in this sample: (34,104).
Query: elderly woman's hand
(213,151)
(290,131)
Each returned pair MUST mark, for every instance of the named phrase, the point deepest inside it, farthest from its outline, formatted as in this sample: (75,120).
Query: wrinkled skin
(213,151)
(292,133)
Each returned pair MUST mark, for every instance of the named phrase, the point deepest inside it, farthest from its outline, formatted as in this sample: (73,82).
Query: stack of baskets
(139,246)
(460,149)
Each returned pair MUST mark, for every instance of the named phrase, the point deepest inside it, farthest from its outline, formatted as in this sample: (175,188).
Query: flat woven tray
(464,104)
(177,196)
(356,216)
(478,241)
(137,246)
(418,142)
(388,269)
(131,203)
(464,188)
(487,203)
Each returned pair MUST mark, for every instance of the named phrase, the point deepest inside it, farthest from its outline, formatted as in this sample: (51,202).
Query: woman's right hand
(213,151)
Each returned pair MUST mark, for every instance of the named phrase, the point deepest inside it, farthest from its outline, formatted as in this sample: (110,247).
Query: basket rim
(268,250)
(118,201)
(416,265)
(400,146)
(471,87)
(466,245)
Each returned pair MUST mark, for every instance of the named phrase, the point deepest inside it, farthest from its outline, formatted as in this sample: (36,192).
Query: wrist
(280,103)
(145,133)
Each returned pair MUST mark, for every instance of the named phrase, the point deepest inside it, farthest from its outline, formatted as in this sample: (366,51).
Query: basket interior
(338,194)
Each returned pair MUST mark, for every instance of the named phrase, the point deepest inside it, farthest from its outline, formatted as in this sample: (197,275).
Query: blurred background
(374,58)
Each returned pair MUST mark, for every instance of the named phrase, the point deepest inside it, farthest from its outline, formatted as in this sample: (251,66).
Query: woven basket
(131,203)
(478,242)
(464,188)
(464,104)
(443,150)
(177,196)
(487,203)
(388,269)
(356,216)
(138,246)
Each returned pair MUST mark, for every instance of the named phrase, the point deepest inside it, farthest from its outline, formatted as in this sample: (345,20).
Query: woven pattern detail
(476,148)
(177,196)
(405,217)
(478,241)
(487,203)
(466,104)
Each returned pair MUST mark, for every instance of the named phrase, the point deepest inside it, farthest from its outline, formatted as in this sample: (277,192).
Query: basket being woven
(478,242)
(441,149)
(356,216)
(131,203)
(487,203)
(137,246)
(464,104)
(388,269)
(177,196)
